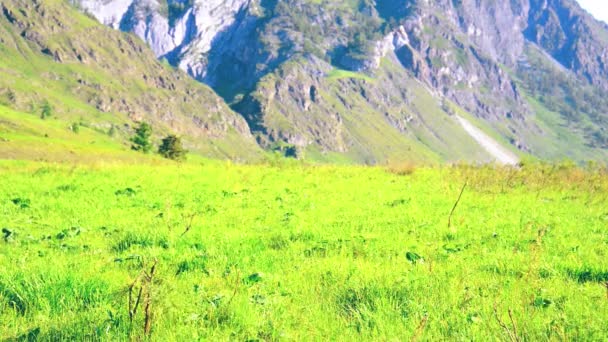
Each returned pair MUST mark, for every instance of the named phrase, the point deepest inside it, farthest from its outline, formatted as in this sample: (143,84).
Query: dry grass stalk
(511,332)
(147,311)
(456,205)
(144,280)
(420,329)
(133,306)
(191,218)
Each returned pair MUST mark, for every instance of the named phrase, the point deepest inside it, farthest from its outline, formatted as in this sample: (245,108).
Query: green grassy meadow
(288,251)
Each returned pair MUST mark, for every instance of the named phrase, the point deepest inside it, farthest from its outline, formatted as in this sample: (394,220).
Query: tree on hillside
(46,110)
(75,127)
(112,130)
(141,139)
(171,148)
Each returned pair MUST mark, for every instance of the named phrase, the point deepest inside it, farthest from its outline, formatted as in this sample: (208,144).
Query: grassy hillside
(55,59)
(24,136)
(225,252)
(336,115)
(369,81)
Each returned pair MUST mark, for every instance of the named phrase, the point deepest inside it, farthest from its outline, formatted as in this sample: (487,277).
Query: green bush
(141,140)
(112,131)
(75,127)
(46,110)
(171,148)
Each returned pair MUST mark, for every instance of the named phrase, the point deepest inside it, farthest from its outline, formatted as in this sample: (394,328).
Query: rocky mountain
(376,80)
(55,59)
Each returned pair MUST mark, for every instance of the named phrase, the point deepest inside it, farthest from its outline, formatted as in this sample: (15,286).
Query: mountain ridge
(373,81)
(90,75)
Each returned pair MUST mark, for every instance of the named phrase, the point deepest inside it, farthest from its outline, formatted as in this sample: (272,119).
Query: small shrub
(171,148)
(129,192)
(285,149)
(141,139)
(278,242)
(414,258)
(198,263)
(254,278)
(588,275)
(22,203)
(131,239)
(67,187)
(46,110)
(398,202)
(7,234)
(541,302)
(75,127)
(13,298)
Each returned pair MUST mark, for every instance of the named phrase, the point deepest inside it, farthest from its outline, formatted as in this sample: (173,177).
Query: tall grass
(298,252)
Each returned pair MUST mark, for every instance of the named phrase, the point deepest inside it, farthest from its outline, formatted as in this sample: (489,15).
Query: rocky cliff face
(572,37)
(183,32)
(298,70)
(105,78)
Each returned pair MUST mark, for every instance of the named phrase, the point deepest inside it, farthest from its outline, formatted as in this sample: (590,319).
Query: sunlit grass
(300,252)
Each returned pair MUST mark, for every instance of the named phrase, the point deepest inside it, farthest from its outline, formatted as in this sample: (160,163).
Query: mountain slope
(532,71)
(53,58)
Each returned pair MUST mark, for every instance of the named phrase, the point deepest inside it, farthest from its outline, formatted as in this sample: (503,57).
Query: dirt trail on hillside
(501,154)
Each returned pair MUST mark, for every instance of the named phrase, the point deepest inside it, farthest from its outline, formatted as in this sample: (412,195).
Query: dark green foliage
(141,139)
(413,257)
(8,97)
(171,148)
(46,110)
(12,97)
(587,275)
(29,336)
(67,187)
(285,149)
(254,278)
(13,298)
(362,38)
(197,264)
(541,302)
(278,242)
(132,240)
(7,234)
(75,127)
(22,203)
(68,233)
(398,202)
(125,192)
(112,131)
